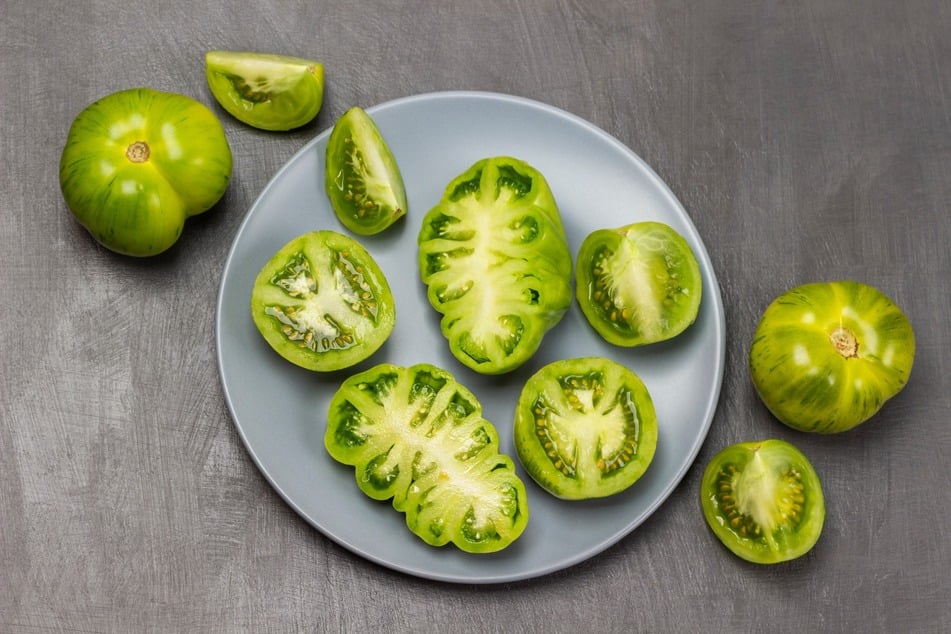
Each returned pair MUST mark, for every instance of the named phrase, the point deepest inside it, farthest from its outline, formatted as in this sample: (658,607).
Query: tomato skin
(496,263)
(763,500)
(361,176)
(322,302)
(138,163)
(585,428)
(638,284)
(264,90)
(417,436)
(826,356)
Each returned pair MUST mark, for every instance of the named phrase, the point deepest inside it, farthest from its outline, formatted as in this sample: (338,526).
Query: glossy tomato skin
(322,302)
(417,436)
(495,260)
(638,284)
(585,428)
(763,500)
(361,176)
(826,356)
(265,90)
(138,163)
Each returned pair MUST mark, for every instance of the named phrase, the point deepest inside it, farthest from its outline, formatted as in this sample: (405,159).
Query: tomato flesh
(418,436)
(763,500)
(496,263)
(638,284)
(322,302)
(585,428)
(361,176)
(265,90)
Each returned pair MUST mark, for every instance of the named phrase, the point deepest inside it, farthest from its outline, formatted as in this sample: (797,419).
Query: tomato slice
(763,500)
(585,428)
(362,178)
(322,302)
(417,436)
(264,90)
(496,263)
(638,284)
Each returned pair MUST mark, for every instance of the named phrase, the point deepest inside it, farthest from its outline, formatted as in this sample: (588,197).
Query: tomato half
(638,284)
(763,500)
(138,162)
(496,263)
(264,90)
(322,302)
(826,356)
(585,428)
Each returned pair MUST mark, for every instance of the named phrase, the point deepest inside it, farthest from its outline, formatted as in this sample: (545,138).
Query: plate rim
(711,404)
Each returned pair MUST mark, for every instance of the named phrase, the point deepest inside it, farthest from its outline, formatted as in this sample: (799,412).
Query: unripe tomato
(827,355)
(138,163)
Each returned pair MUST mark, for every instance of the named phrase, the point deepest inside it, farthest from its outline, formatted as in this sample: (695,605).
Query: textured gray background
(808,141)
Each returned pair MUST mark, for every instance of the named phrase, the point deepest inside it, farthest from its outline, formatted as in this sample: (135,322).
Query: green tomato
(322,302)
(827,355)
(585,428)
(763,500)
(266,91)
(137,163)
(361,176)
(638,284)
(417,436)
(495,260)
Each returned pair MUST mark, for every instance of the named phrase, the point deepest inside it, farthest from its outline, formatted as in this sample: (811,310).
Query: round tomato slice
(826,356)
(138,163)
(264,90)
(763,500)
(638,284)
(322,302)
(585,428)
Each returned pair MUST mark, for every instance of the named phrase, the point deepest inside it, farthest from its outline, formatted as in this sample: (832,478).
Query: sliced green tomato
(827,356)
(322,302)
(417,436)
(763,500)
(585,428)
(362,178)
(496,262)
(266,91)
(638,284)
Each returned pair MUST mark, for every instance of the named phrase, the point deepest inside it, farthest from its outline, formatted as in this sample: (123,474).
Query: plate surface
(279,410)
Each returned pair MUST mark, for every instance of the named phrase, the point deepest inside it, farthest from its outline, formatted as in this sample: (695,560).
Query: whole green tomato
(138,162)
(827,355)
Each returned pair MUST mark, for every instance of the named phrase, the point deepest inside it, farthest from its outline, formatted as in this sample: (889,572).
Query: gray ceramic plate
(279,410)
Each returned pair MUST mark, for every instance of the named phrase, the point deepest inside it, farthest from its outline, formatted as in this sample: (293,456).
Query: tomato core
(844,342)
(138,152)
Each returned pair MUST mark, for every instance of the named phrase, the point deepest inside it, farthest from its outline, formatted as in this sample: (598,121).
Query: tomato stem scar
(844,342)
(138,152)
